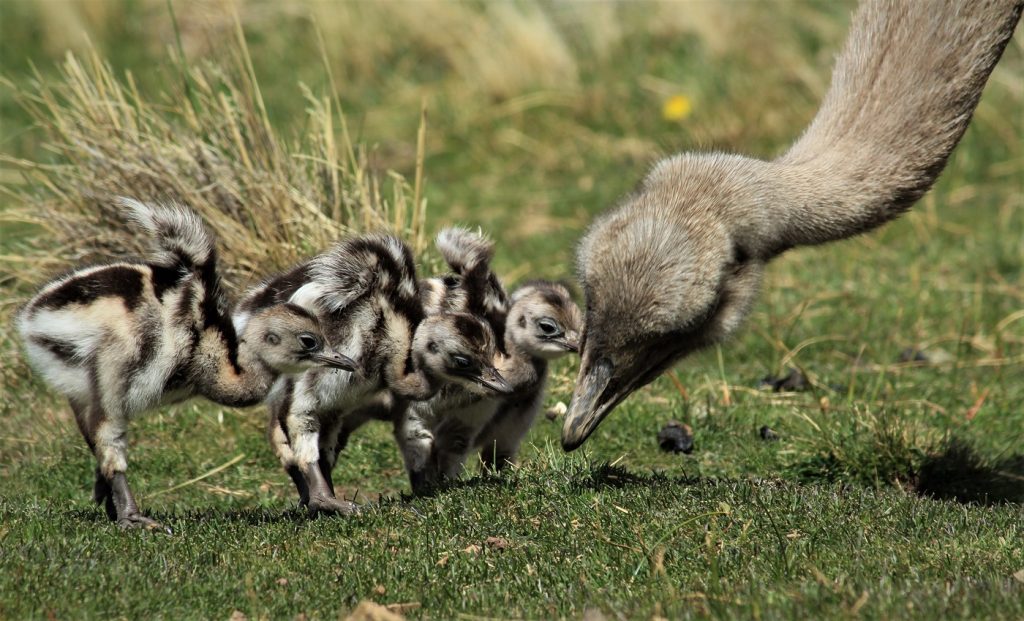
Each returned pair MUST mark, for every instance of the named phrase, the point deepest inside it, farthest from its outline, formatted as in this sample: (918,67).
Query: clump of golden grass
(208,143)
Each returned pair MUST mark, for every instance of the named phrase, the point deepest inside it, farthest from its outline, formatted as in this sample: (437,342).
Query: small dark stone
(913,354)
(931,355)
(675,437)
(768,434)
(794,381)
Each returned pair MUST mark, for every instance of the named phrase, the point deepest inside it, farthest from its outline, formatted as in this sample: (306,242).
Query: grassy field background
(895,488)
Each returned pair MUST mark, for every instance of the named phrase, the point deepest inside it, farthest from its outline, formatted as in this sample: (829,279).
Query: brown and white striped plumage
(544,324)
(121,338)
(678,264)
(367,297)
(471,287)
(539,323)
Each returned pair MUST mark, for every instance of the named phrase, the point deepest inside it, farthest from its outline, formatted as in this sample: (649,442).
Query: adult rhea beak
(590,403)
(603,384)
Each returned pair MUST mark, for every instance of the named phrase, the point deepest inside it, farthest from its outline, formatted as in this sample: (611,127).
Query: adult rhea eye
(548,326)
(461,362)
(309,342)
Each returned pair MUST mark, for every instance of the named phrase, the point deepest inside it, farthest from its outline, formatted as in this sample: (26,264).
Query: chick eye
(461,362)
(548,326)
(272,338)
(308,341)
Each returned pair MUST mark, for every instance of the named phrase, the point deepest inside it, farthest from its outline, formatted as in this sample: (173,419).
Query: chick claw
(332,506)
(137,520)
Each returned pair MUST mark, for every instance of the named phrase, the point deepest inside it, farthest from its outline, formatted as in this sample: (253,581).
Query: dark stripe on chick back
(280,288)
(471,328)
(399,273)
(165,278)
(215,308)
(64,351)
(119,281)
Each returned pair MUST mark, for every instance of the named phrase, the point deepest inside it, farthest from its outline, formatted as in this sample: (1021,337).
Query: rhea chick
(540,322)
(544,324)
(365,292)
(678,264)
(125,337)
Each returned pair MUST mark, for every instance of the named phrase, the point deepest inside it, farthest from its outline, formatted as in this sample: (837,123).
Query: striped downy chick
(543,324)
(125,337)
(539,323)
(364,291)
(471,288)
(460,350)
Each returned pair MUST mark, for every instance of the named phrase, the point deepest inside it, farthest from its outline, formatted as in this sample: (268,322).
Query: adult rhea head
(663,276)
(677,266)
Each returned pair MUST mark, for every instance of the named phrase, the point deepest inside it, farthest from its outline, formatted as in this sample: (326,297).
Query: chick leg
(128,515)
(321,496)
(415,441)
(102,494)
(333,437)
(280,443)
(453,440)
(499,443)
(300,483)
(304,435)
(108,438)
(326,465)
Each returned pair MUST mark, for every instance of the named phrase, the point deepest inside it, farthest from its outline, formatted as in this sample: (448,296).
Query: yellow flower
(676,108)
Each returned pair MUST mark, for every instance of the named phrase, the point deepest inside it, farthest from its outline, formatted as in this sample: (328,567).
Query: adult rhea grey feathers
(678,264)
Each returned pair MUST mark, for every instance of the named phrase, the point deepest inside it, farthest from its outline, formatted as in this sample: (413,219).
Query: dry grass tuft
(206,142)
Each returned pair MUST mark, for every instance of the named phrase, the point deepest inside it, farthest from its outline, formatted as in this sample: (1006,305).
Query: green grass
(853,511)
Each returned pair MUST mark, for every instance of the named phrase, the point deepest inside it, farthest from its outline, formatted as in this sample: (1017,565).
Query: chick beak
(335,360)
(492,379)
(571,342)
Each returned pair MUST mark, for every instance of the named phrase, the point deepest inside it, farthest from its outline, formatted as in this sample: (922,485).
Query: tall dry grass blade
(206,141)
(421,151)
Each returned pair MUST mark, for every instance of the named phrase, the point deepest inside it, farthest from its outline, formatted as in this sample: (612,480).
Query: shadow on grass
(584,477)
(606,475)
(481,481)
(255,516)
(959,473)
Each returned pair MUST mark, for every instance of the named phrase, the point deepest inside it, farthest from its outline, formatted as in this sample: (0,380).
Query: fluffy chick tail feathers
(178,237)
(466,252)
(358,265)
(469,253)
